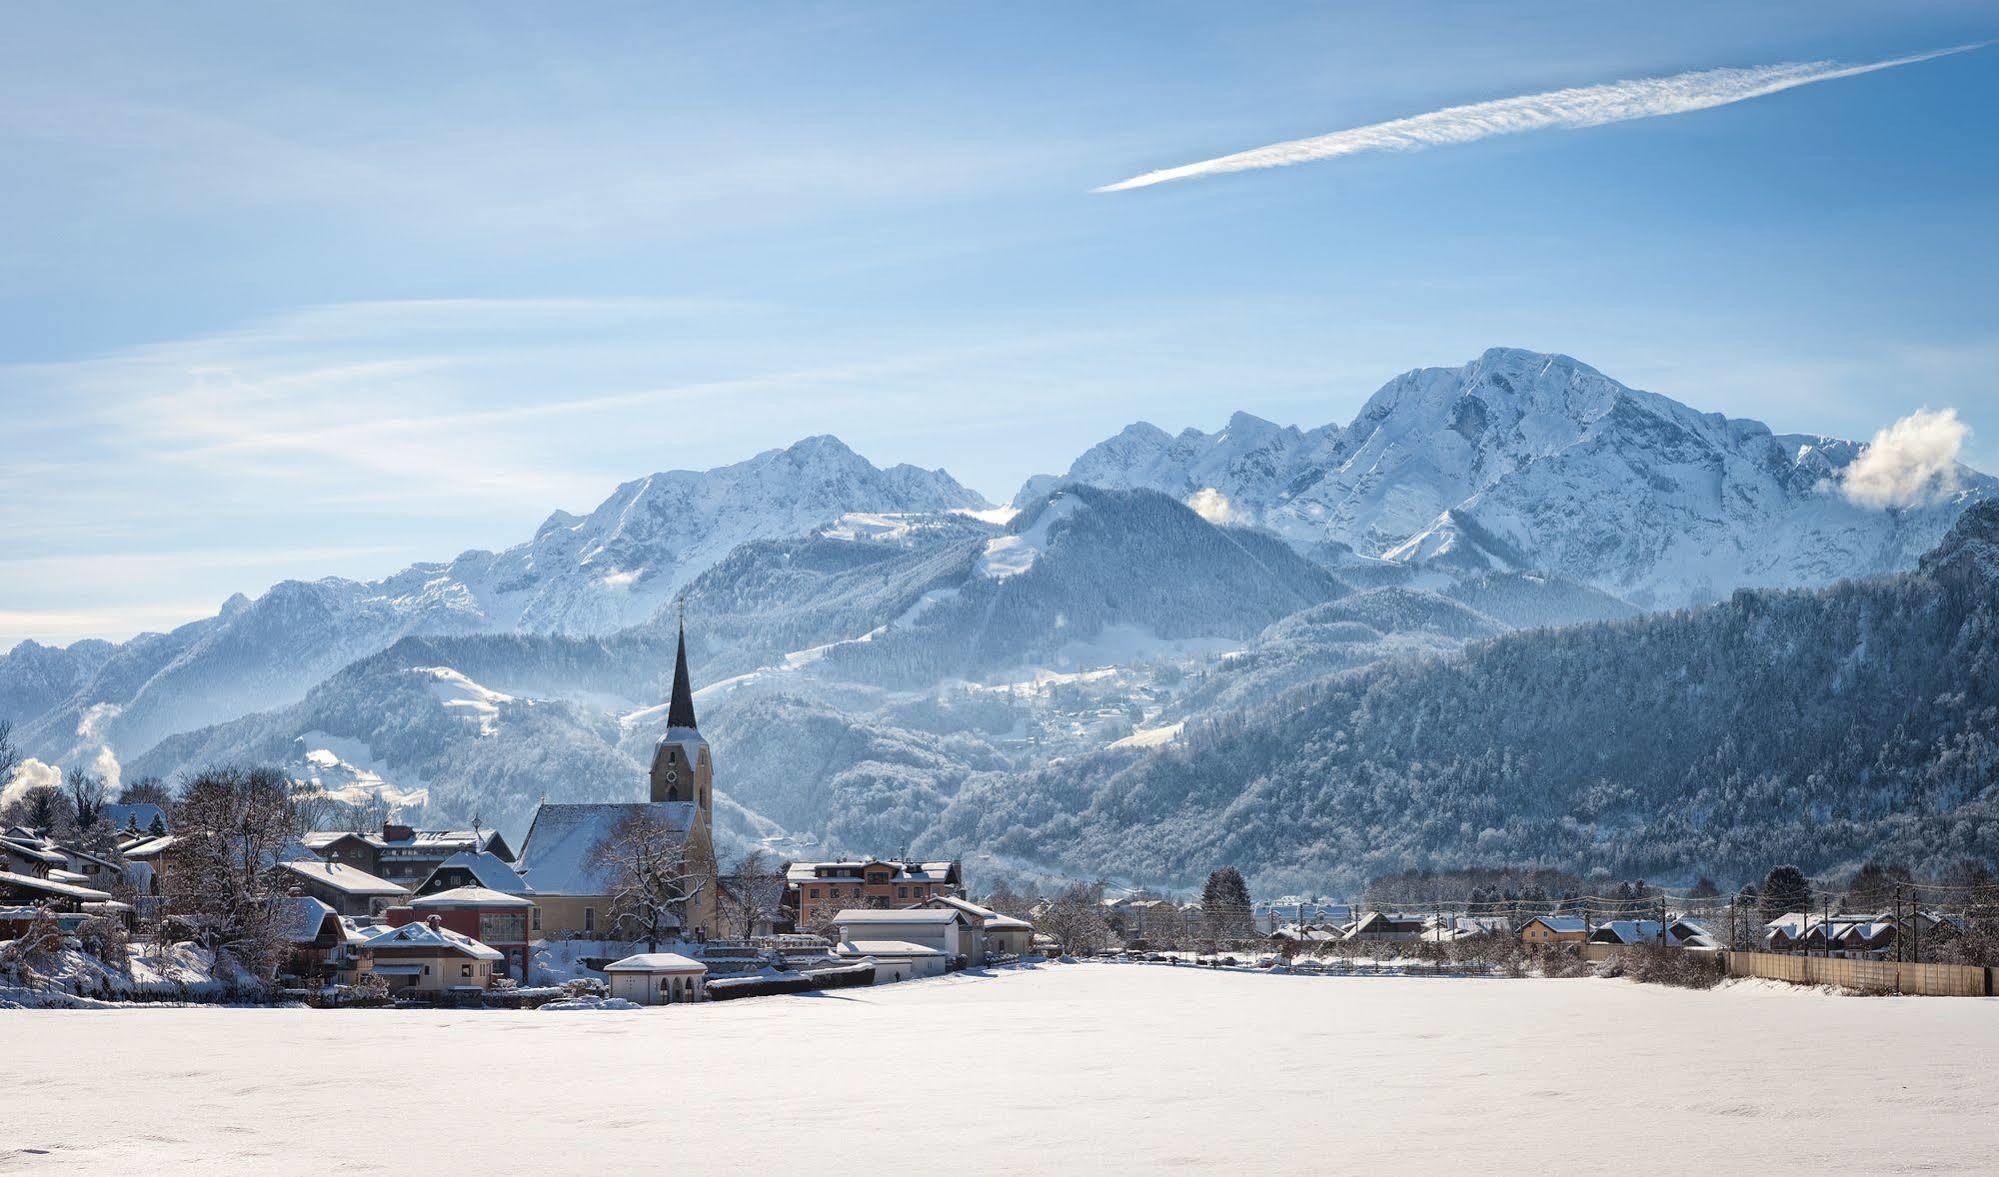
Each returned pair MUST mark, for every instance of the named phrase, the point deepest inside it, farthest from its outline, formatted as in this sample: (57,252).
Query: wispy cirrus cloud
(1581,106)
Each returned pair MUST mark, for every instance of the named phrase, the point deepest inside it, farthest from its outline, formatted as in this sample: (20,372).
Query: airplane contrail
(1581,106)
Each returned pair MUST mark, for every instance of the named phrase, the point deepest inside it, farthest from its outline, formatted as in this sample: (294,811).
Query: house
(494,919)
(657,978)
(146,857)
(322,946)
(23,852)
(1148,918)
(947,930)
(1008,935)
(981,925)
(400,853)
(817,891)
(1388,927)
(1445,929)
(1677,934)
(474,868)
(348,890)
(427,957)
(560,859)
(19,890)
(1544,930)
(894,960)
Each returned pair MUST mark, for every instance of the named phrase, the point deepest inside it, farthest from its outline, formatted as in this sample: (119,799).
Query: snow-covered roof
(1560,923)
(11,881)
(556,857)
(1006,921)
(906,915)
(31,847)
(492,871)
(656,962)
(850,868)
(442,841)
(148,847)
(883,948)
(348,880)
(301,917)
(965,905)
(422,935)
(462,897)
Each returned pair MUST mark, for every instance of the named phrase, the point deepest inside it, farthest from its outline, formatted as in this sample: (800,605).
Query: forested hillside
(1816,727)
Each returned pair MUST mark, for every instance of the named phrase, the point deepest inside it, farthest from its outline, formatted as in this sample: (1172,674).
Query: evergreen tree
(1226,906)
(1785,889)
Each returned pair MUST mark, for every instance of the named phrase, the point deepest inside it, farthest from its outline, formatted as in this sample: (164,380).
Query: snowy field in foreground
(1092,1068)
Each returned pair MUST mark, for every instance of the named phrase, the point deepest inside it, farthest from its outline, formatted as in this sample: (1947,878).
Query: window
(465,970)
(589,919)
(902,892)
(535,918)
(814,892)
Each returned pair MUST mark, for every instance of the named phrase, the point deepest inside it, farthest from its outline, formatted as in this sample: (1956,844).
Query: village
(223,895)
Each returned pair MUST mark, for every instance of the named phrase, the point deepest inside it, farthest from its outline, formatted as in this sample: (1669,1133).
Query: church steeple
(680,710)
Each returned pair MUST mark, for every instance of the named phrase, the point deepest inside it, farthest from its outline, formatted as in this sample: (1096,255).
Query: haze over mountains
(889,663)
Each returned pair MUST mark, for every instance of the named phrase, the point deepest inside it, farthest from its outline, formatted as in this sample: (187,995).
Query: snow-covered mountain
(1520,461)
(579,575)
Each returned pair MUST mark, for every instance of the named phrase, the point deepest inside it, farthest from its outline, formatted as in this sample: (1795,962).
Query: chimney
(435,921)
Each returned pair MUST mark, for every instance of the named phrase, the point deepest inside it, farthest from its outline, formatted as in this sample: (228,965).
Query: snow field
(1087,1068)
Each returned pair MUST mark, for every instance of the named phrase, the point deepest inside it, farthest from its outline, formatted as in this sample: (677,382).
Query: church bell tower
(682,769)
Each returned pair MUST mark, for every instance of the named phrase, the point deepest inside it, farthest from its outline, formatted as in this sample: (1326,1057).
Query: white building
(658,978)
(894,960)
(947,930)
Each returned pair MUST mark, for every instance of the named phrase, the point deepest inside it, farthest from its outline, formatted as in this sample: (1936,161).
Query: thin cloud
(1582,106)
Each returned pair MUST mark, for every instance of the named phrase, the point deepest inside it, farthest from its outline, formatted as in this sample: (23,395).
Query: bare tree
(231,829)
(10,753)
(751,893)
(43,808)
(1075,916)
(653,877)
(86,804)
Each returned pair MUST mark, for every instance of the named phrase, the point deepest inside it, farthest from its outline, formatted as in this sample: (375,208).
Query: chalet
(24,852)
(475,868)
(427,957)
(561,860)
(1008,935)
(817,891)
(1543,930)
(322,947)
(947,930)
(403,854)
(496,920)
(348,890)
(1675,934)
(657,978)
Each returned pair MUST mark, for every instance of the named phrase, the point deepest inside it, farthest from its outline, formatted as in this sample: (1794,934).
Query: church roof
(680,710)
(556,857)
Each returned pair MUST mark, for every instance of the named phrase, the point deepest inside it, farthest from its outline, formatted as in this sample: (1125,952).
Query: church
(560,858)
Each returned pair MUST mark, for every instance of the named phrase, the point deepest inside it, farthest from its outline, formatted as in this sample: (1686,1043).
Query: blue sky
(324,292)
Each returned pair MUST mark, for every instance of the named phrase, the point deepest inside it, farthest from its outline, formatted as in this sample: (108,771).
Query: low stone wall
(1929,980)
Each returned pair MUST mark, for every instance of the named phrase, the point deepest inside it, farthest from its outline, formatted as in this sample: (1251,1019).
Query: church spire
(680,711)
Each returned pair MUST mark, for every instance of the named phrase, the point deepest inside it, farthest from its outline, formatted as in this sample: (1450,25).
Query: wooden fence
(1929,980)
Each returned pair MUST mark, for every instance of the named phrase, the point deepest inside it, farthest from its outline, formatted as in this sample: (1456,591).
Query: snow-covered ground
(1090,1068)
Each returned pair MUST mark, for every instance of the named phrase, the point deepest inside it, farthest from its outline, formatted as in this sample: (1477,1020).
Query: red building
(498,921)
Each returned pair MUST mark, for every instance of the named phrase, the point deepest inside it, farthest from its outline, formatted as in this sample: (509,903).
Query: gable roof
(986,914)
(301,918)
(1558,923)
(421,935)
(555,856)
(656,962)
(489,869)
(470,897)
(883,948)
(348,880)
(50,887)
